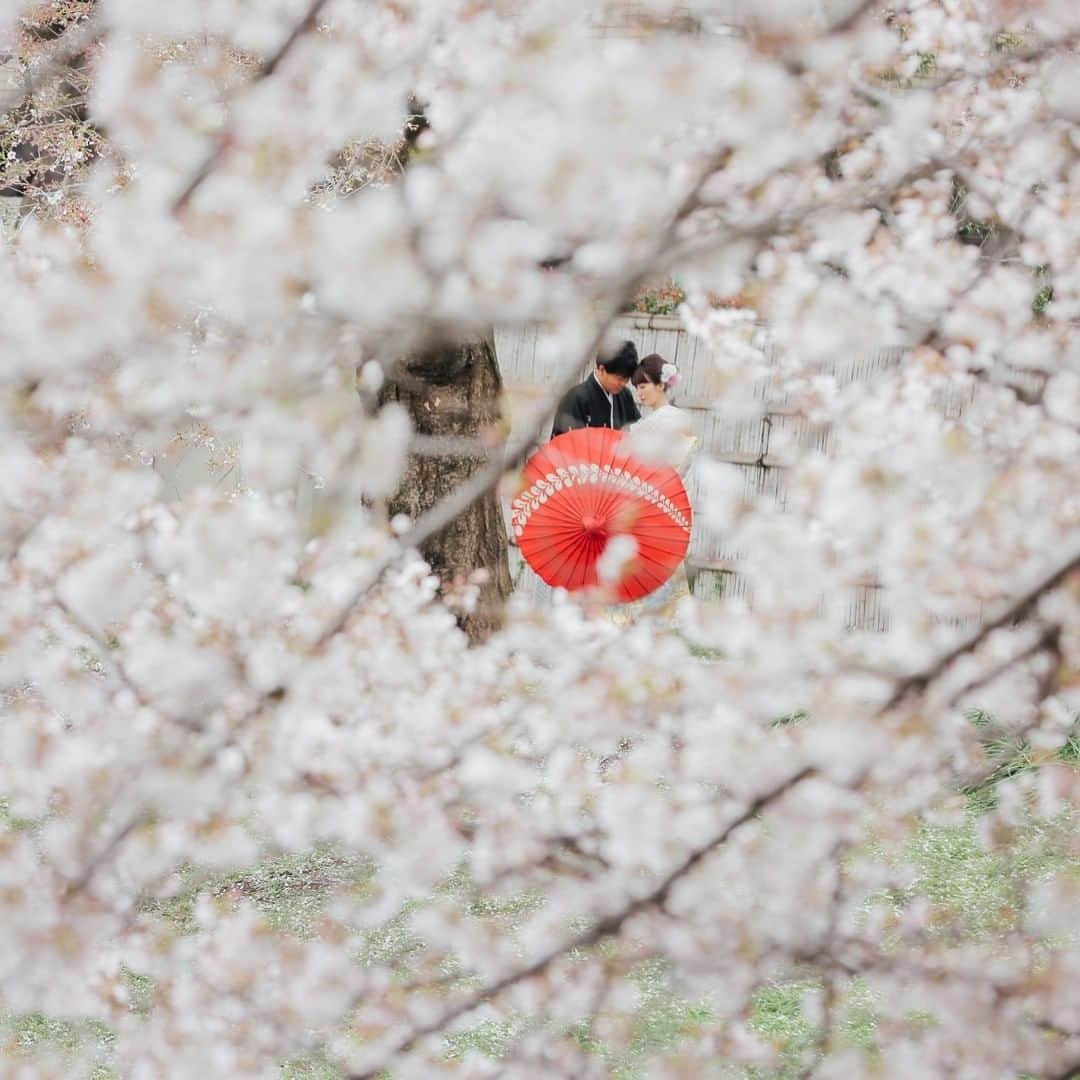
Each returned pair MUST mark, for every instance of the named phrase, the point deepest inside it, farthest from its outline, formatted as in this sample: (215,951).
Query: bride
(665,436)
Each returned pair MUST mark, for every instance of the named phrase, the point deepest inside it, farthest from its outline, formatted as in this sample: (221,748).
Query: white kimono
(664,437)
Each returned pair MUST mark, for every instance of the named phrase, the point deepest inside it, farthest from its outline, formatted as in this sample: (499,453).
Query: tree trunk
(453,392)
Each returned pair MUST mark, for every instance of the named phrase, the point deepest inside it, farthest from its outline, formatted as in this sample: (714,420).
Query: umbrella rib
(568,558)
(586,556)
(552,553)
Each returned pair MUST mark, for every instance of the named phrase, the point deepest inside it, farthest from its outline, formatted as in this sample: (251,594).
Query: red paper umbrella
(583,489)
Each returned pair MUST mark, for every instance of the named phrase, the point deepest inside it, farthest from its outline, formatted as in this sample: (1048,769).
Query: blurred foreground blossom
(262,805)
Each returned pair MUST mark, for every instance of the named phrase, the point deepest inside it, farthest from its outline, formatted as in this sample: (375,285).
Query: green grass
(313,1067)
(290,890)
(779,1018)
(777,1015)
(660,1021)
(977,890)
(84,1045)
(1009,755)
(492,1038)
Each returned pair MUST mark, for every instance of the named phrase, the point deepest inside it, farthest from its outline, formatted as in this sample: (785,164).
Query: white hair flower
(669,375)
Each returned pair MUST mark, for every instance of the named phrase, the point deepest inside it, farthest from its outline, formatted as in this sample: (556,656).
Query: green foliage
(704,652)
(969,229)
(393,942)
(921,1019)
(859,1025)
(979,232)
(12,821)
(968,884)
(975,231)
(713,584)
(140,992)
(461,886)
(1010,755)
(778,1017)
(661,1020)
(1070,749)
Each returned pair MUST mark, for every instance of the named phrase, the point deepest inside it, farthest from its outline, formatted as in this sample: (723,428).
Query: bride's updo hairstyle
(649,369)
(656,370)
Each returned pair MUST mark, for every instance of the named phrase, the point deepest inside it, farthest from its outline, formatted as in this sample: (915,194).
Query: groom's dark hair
(620,361)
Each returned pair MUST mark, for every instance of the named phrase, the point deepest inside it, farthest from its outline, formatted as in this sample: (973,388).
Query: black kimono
(587,405)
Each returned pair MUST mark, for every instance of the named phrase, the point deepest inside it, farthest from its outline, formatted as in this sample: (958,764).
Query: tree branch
(1048,641)
(268,67)
(607,927)
(112,663)
(1016,610)
(112,845)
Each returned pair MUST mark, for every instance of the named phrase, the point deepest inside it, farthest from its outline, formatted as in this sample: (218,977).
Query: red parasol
(584,488)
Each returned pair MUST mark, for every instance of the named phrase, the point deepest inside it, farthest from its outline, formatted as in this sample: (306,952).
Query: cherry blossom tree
(572,846)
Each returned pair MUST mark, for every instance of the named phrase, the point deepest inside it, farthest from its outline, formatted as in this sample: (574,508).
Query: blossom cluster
(204,690)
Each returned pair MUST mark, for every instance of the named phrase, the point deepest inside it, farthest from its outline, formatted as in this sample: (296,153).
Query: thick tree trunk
(454,392)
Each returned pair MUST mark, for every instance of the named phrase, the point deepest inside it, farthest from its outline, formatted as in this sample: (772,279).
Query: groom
(604,398)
